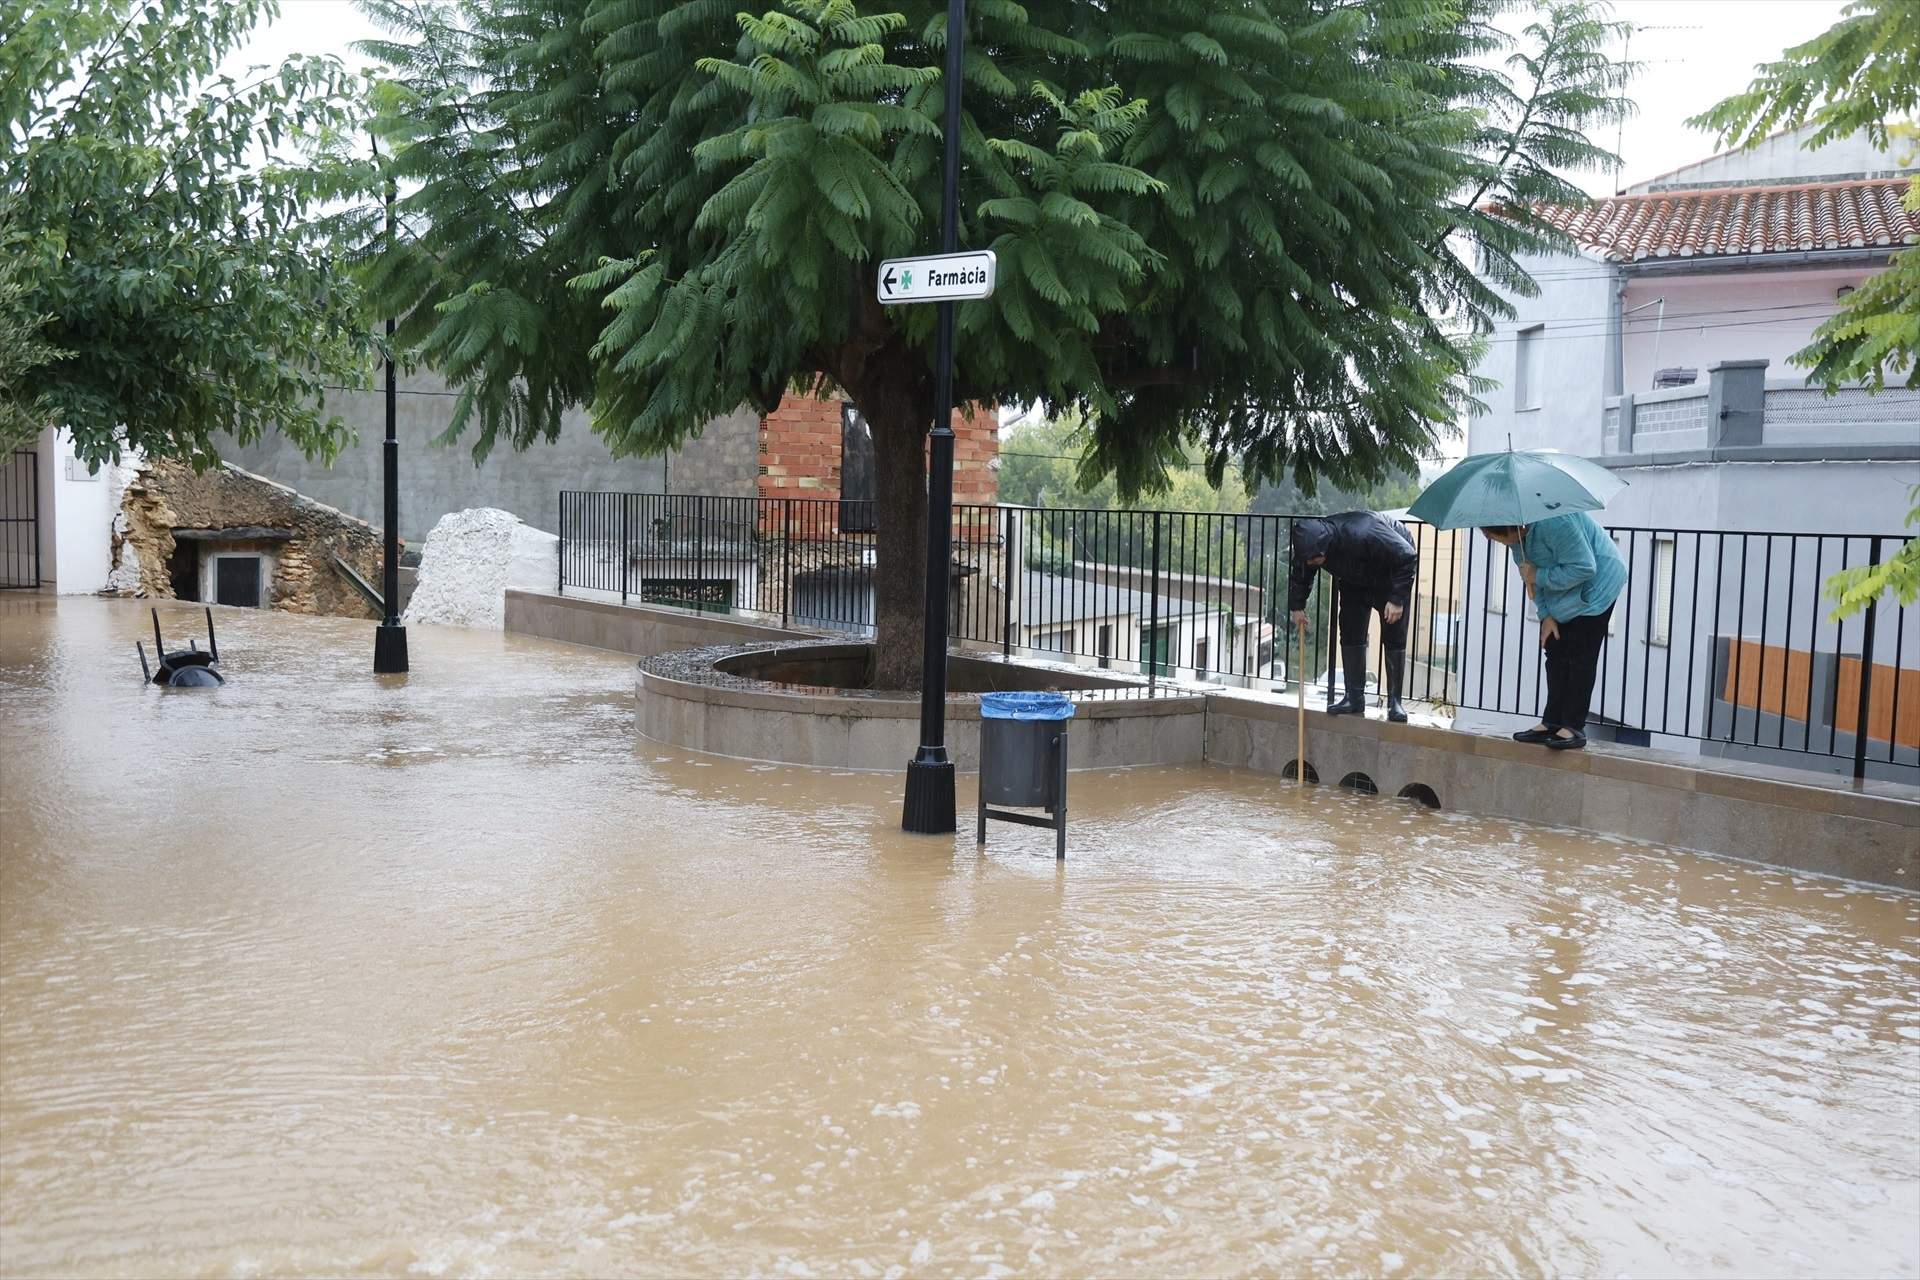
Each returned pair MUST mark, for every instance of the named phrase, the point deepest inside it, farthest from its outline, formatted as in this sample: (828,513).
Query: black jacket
(1365,551)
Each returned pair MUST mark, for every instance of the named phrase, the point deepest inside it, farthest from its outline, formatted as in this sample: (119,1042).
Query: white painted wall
(1573,310)
(76,517)
(1709,318)
(1782,159)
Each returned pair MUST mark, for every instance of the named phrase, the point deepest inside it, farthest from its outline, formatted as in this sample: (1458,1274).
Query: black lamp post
(390,638)
(929,808)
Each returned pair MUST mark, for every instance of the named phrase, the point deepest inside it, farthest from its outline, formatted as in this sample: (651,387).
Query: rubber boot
(1396,678)
(1353,664)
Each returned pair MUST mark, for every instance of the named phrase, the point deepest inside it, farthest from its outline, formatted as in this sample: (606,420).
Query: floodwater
(320,974)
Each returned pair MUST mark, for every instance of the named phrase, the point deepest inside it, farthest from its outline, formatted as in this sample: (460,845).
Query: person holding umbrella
(1372,560)
(1574,574)
(1535,504)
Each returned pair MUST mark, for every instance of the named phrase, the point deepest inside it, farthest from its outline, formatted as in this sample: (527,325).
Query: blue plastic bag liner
(1026,706)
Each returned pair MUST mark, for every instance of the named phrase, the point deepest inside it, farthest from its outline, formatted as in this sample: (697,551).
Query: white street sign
(942,277)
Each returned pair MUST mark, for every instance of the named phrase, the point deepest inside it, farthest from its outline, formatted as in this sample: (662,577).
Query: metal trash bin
(1023,759)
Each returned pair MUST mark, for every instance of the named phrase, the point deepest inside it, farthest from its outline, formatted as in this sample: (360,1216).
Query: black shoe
(1533,737)
(1347,706)
(1575,743)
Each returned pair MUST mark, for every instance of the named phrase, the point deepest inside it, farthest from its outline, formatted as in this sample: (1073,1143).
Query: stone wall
(438,478)
(1642,795)
(720,461)
(161,497)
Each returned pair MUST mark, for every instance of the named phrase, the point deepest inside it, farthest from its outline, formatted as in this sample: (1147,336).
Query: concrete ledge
(641,630)
(833,729)
(1859,835)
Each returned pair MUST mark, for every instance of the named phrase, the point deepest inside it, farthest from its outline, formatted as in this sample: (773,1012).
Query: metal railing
(1721,641)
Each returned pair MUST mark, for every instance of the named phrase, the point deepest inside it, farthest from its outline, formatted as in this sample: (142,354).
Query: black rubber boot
(1396,678)
(1353,665)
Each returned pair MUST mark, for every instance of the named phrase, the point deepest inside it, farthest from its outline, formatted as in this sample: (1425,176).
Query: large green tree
(1252,227)
(165,254)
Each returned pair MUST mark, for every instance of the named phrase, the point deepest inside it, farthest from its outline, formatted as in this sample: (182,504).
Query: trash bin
(1020,737)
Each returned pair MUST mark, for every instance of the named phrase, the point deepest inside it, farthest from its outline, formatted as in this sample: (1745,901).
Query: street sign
(940,277)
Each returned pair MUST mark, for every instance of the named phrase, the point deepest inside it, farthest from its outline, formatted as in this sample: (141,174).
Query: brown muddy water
(319,974)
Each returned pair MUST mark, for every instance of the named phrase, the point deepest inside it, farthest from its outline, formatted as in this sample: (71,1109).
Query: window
(1526,367)
(1103,644)
(236,581)
(707,595)
(1200,654)
(1660,621)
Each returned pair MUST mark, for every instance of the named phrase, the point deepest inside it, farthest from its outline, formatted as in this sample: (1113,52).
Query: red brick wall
(976,445)
(800,451)
(800,448)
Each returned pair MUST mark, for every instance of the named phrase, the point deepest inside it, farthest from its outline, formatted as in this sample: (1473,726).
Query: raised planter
(752,702)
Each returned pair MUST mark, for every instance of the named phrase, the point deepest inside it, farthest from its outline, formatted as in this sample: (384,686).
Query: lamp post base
(929,806)
(389,649)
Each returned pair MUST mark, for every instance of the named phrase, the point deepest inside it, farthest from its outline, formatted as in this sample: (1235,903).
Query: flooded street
(449,974)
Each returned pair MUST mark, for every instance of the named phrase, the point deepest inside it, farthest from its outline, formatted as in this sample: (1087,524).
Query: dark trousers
(1355,605)
(1573,661)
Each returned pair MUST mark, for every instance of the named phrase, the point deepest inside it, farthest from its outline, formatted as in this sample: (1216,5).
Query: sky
(1695,52)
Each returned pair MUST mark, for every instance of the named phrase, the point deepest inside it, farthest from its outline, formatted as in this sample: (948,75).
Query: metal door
(20,520)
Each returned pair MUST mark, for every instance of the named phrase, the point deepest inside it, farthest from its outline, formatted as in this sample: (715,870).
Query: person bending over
(1574,574)
(1372,561)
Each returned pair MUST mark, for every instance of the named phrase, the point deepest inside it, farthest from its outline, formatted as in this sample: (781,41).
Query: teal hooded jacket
(1580,570)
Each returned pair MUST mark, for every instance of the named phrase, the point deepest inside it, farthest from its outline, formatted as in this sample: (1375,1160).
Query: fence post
(560,560)
(1866,674)
(626,552)
(786,556)
(1153,607)
(33,479)
(1007,583)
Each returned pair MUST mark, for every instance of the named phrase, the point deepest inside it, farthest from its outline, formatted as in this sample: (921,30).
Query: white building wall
(1781,160)
(1573,314)
(1713,317)
(76,518)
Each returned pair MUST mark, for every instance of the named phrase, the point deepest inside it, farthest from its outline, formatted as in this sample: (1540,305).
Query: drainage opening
(1360,782)
(1420,793)
(1292,771)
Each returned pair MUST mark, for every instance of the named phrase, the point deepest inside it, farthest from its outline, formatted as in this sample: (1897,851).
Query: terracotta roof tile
(1740,220)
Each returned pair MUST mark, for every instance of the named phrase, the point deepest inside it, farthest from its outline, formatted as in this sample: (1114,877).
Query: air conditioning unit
(1675,378)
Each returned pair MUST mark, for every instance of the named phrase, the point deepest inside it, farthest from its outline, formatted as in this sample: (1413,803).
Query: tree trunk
(900,510)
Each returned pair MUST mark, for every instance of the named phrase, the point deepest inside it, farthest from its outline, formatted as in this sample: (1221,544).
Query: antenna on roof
(1620,128)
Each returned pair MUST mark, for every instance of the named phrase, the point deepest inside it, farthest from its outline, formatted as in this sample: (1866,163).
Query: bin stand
(1056,818)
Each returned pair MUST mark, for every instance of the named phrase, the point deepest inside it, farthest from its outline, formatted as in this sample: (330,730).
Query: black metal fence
(1721,638)
(20,520)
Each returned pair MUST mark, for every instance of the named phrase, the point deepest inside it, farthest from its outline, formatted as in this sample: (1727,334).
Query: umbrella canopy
(1515,488)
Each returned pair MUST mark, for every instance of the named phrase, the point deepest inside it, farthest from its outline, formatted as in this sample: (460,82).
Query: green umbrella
(1515,488)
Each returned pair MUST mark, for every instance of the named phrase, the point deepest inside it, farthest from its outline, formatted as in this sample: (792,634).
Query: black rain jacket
(1365,551)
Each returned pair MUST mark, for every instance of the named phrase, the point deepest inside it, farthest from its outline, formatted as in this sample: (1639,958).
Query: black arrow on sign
(887,280)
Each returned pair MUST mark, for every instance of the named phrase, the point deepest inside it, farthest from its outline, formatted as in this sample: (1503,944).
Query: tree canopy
(165,257)
(1861,75)
(1231,226)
